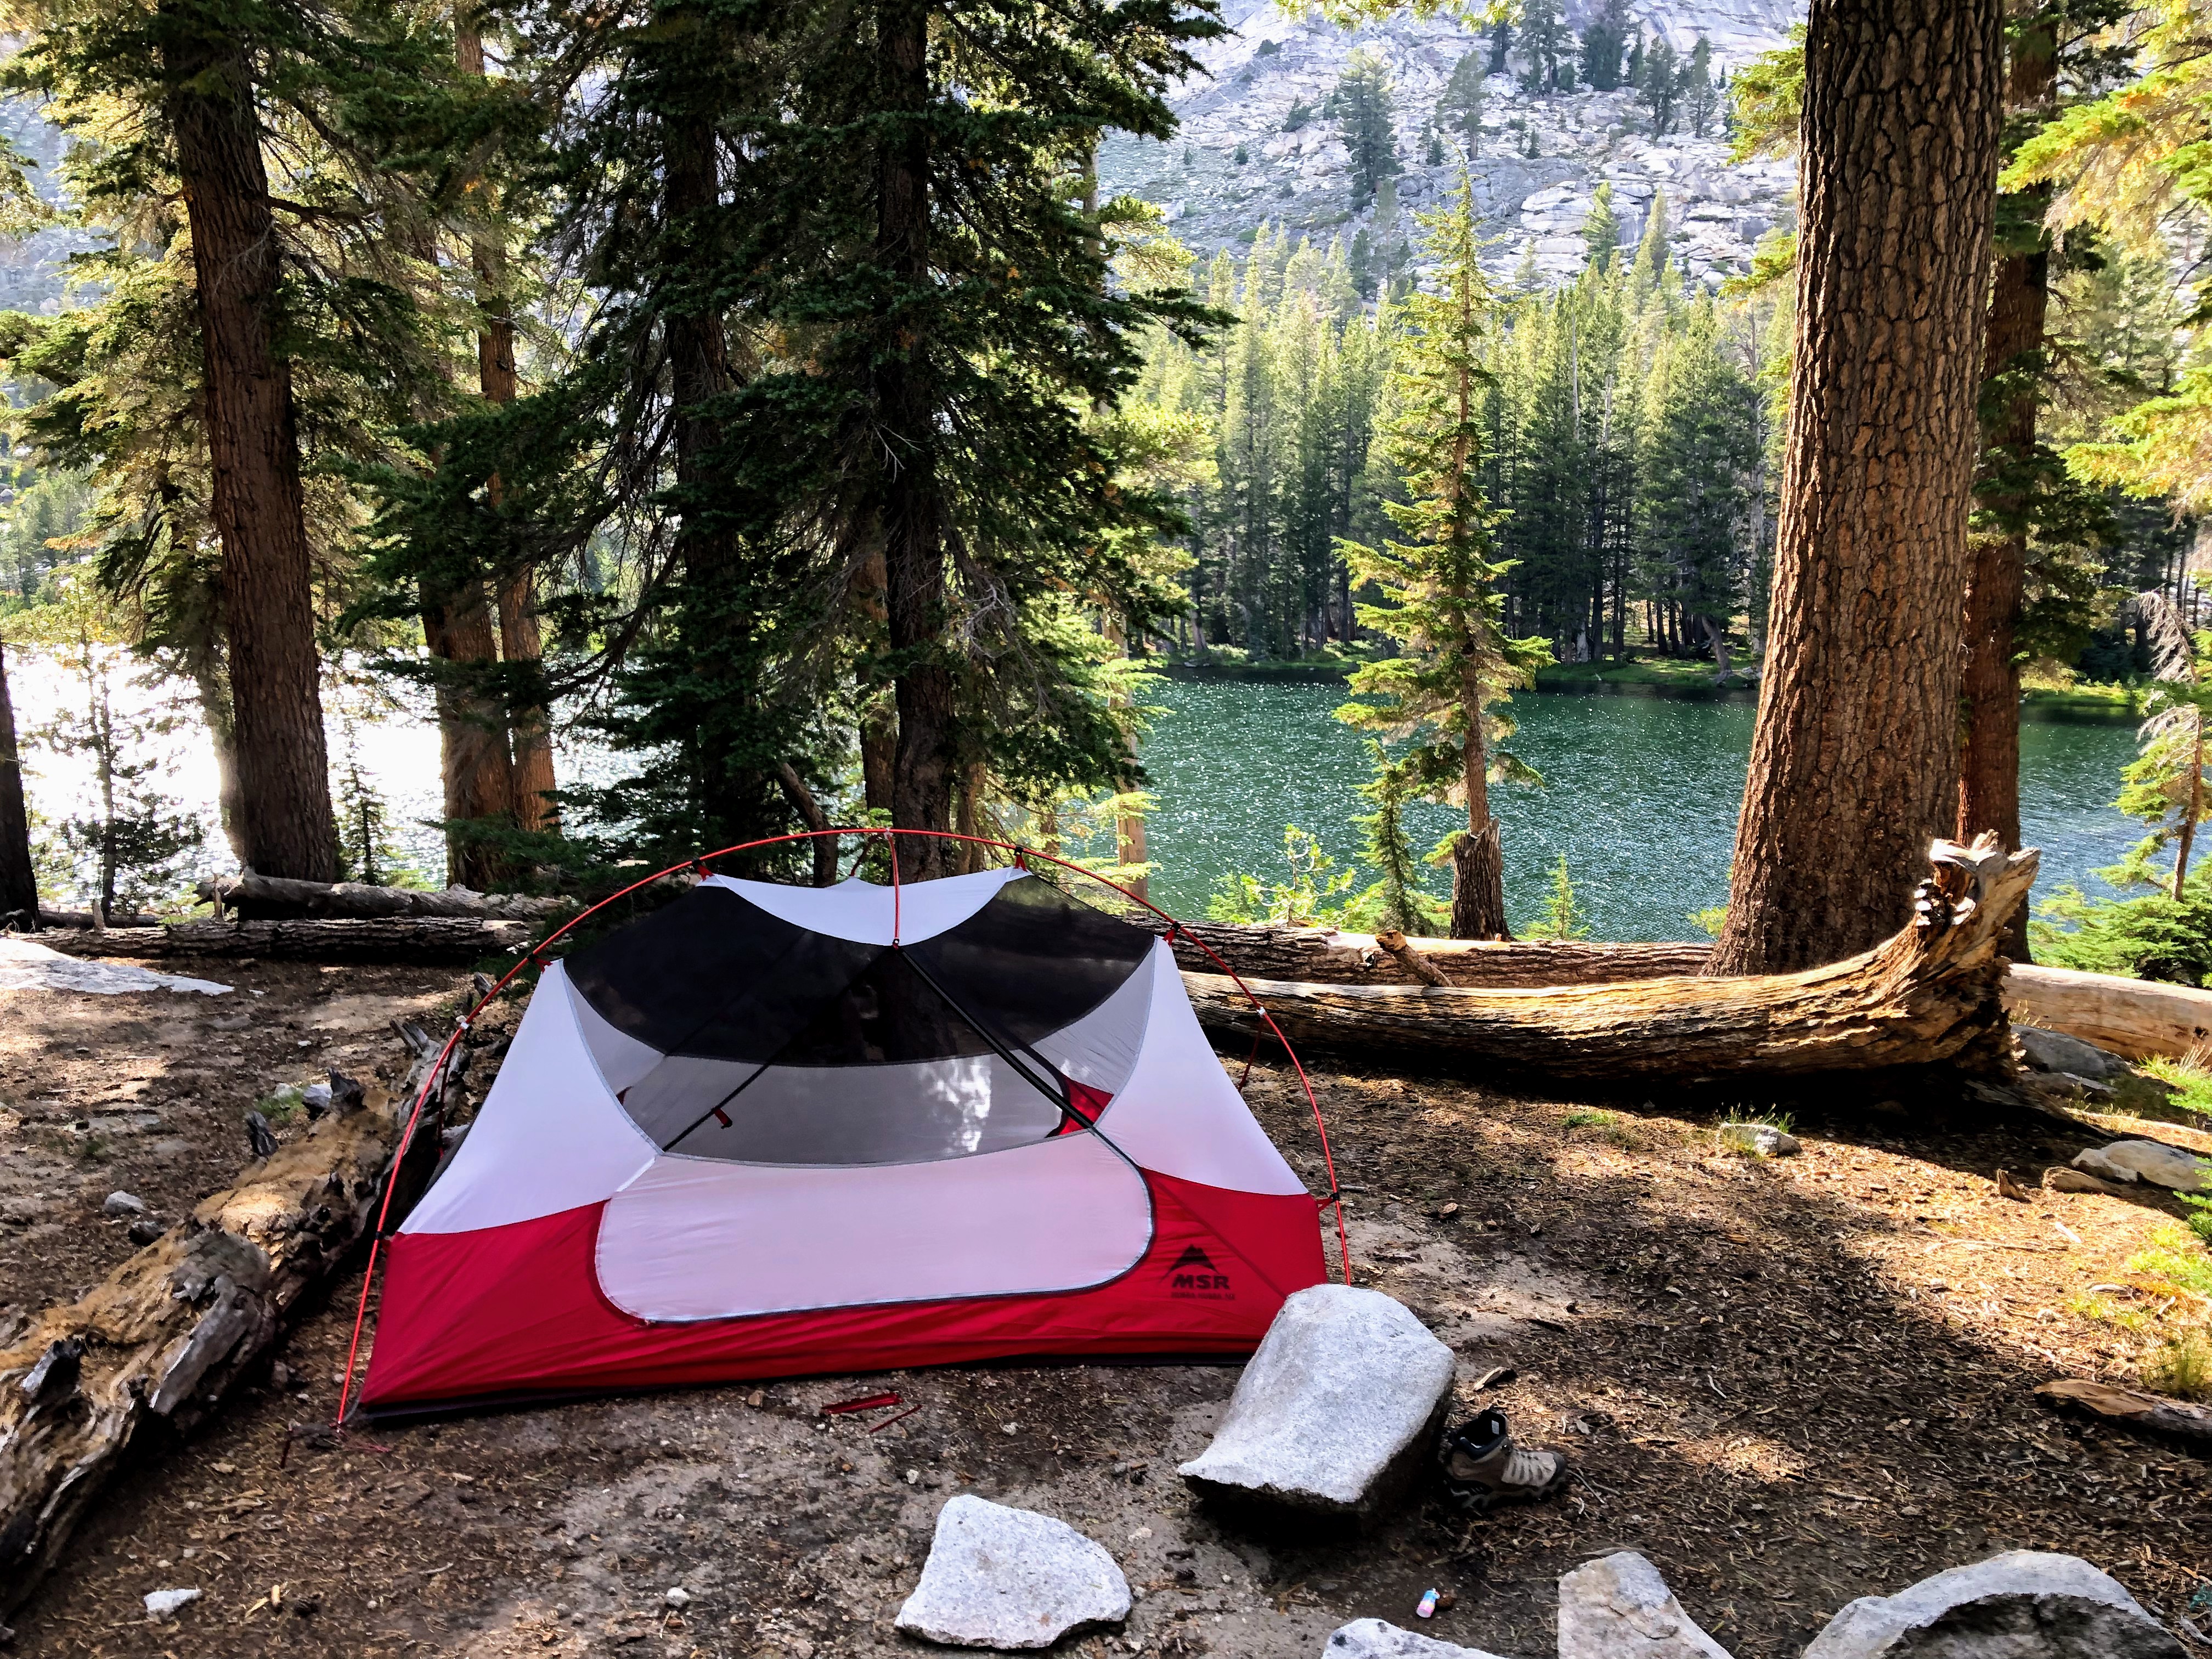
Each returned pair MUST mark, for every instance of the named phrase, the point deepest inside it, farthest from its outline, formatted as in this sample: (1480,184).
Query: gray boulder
(2054,1051)
(1336,1413)
(2023,1604)
(2091,1160)
(2160,1165)
(1375,1638)
(1001,1577)
(122,1204)
(1619,1606)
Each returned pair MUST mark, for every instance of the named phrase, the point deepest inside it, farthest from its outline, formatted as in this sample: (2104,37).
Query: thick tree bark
(19,881)
(529,742)
(1989,773)
(909,504)
(271,898)
(1855,761)
(471,731)
(1478,902)
(2153,1415)
(2138,1018)
(1930,993)
(285,823)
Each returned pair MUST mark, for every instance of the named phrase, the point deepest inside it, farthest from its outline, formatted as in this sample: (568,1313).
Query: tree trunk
(471,733)
(253,454)
(19,881)
(1854,757)
(1989,773)
(2189,813)
(911,510)
(1326,955)
(1929,993)
(413,940)
(1478,902)
(530,745)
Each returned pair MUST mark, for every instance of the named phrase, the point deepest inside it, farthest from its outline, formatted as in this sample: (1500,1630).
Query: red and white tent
(770,1130)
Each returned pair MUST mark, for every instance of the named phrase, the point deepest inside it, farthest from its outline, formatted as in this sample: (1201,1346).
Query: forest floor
(1789,1383)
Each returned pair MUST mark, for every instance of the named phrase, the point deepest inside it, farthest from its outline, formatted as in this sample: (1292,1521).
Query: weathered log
(174,1330)
(2131,1409)
(2136,1017)
(394,938)
(1928,994)
(275,898)
(1325,955)
(1415,961)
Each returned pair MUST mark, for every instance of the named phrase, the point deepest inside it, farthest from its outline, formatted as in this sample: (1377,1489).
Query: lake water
(1640,792)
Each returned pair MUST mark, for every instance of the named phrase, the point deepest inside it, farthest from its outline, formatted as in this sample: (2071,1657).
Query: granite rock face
(1009,1578)
(1376,1638)
(2024,1604)
(1620,1607)
(2091,1160)
(1336,1413)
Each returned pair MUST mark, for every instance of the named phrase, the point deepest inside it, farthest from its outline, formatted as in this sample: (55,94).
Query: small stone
(1759,1139)
(2024,1604)
(678,1597)
(2091,1161)
(2160,1165)
(1003,1578)
(1619,1605)
(2054,1051)
(1336,1413)
(122,1204)
(163,1604)
(2062,1180)
(1377,1638)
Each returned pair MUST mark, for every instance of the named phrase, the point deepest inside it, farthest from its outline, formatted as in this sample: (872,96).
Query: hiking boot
(1483,1466)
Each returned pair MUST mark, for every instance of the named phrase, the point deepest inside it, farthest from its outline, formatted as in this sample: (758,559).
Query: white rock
(1619,1606)
(1000,1577)
(678,1597)
(1760,1139)
(1375,1639)
(2090,1161)
(122,1204)
(1337,1411)
(2021,1605)
(2160,1165)
(163,1604)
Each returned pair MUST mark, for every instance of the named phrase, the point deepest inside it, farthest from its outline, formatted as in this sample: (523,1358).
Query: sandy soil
(1789,1383)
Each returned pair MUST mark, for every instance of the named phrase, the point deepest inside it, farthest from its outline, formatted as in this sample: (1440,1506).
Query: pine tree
(1546,41)
(1439,596)
(1602,230)
(19,880)
(1459,107)
(1659,82)
(1364,111)
(1700,96)
(1603,42)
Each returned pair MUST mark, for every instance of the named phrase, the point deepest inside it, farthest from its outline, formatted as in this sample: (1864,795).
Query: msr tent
(769,1131)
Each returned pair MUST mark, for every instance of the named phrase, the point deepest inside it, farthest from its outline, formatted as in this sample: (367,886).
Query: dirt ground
(1788,1382)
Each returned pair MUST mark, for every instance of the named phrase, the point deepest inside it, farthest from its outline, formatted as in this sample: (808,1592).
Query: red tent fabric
(771,1131)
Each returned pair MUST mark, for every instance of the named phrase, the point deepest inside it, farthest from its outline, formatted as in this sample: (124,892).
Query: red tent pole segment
(534,954)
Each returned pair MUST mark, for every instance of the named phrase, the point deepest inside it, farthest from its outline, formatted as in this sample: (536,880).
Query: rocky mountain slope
(1533,203)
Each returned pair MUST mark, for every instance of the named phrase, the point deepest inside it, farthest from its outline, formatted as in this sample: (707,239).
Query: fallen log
(2131,1409)
(1328,957)
(176,1329)
(278,898)
(1929,993)
(395,938)
(2138,1018)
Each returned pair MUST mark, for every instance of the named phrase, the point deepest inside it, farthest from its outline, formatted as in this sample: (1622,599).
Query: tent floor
(1764,1370)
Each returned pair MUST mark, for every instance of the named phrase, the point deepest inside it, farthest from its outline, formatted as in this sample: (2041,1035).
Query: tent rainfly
(771,1131)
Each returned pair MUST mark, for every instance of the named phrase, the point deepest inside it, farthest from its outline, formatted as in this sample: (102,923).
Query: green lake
(1640,793)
